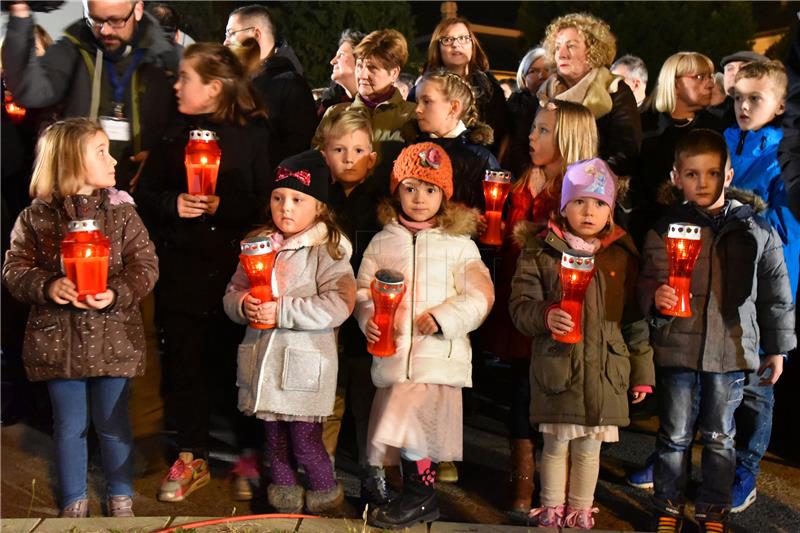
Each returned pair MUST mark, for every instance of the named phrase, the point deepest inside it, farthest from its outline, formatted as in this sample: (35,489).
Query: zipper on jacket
(413,293)
(740,145)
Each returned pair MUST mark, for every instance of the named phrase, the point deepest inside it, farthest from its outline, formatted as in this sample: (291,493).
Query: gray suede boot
(321,501)
(286,498)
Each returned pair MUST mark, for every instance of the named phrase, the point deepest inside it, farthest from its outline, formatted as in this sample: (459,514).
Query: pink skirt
(424,419)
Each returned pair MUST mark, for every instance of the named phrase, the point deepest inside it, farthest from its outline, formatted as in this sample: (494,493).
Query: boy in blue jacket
(759,94)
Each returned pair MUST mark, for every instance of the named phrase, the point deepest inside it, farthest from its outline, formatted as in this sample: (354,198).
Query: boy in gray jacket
(741,305)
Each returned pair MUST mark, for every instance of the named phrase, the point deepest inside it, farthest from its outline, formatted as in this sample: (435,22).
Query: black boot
(374,491)
(417,502)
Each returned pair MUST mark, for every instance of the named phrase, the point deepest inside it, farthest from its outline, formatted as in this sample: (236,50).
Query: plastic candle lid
(682,230)
(88,224)
(256,246)
(202,135)
(389,277)
(577,260)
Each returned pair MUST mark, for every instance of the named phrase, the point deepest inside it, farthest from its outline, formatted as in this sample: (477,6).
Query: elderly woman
(682,94)
(380,57)
(582,46)
(343,74)
(532,71)
(454,47)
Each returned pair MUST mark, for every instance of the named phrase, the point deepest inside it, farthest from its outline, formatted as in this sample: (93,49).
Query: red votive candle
(683,247)
(84,254)
(388,289)
(496,185)
(577,269)
(257,259)
(202,162)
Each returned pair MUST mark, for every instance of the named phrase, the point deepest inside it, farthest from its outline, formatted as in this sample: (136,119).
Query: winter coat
(62,341)
(470,162)
(741,301)
(290,107)
(585,383)
(754,159)
(789,150)
(611,101)
(444,276)
(523,106)
(64,76)
(199,255)
(292,368)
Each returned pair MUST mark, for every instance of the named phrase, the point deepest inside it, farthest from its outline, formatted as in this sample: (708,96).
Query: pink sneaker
(246,477)
(548,516)
(580,518)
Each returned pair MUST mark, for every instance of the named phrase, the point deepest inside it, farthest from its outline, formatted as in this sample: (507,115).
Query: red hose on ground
(229,519)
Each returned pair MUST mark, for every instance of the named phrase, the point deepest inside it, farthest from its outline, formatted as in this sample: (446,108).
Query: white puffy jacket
(444,276)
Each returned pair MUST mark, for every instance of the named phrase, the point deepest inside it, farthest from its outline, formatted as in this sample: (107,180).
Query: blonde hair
(774,71)
(454,87)
(324,215)
(677,65)
(59,167)
(601,45)
(248,52)
(337,125)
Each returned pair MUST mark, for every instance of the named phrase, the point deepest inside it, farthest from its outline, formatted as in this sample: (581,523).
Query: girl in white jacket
(416,413)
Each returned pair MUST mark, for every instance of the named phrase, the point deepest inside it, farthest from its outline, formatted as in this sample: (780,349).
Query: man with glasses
(113,65)
(279,79)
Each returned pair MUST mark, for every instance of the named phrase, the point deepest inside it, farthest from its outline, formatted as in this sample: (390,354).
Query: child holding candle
(447,115)
(287,375)
(86,351)
(416,413)
(741,305)
(562,133)
(198,236)
(579,391)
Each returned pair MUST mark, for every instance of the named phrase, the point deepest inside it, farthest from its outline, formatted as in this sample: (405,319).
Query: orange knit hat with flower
(426,162)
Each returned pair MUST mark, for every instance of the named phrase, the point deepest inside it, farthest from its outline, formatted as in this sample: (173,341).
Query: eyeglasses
(461,39)
(231,33)
(114,22)
(699,77)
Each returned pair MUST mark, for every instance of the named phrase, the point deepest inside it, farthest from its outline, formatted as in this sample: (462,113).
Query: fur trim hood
(456,219)
(668,194)
(527,234)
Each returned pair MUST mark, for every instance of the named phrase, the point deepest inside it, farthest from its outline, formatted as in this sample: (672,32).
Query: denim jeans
(709,400)
(754,423)
(72,400)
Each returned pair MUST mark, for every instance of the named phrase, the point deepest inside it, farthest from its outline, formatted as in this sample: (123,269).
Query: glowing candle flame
(203,160)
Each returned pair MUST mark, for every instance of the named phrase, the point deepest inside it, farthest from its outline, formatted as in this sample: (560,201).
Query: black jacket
(64,76)
(522,106)
(789,150)
(620,132)
(290,107)
(198,256)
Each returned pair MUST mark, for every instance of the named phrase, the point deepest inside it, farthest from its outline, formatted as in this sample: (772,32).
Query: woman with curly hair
(582,47)
(455,47)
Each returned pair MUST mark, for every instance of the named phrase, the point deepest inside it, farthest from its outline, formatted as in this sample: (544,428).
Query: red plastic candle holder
(683,247)
(496,185)
(577,270)
(257,259)
(84,255)
(388,289)
(15,111)
(202,162)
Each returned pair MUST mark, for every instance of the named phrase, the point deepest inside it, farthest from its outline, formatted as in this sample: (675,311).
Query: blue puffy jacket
(754,157)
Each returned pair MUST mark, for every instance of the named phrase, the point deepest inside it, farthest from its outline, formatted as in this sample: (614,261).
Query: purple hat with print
(590,178)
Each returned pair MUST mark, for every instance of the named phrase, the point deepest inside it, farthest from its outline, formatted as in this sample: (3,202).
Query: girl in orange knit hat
(416,413)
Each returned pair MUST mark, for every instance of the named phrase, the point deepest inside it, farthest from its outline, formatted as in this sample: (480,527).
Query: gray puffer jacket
(741,299)
(292,369)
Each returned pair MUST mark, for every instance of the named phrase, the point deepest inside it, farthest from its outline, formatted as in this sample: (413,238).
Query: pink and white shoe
(580,518)
(548,516)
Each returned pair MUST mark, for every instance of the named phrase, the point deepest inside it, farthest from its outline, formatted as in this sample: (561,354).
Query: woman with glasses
(454,47)
(682,94)
(582,47)
(532,71)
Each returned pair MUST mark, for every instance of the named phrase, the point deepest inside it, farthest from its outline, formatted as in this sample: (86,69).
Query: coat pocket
(46,340)
(551,368)
(123,340)
(245,365)
(302,370)
(618,367)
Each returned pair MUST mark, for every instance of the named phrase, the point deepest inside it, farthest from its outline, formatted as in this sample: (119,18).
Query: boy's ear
(673,176)
(372,158)
(781,107)
(728,177)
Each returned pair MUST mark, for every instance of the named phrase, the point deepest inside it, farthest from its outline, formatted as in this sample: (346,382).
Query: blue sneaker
(643,479)
(744,490)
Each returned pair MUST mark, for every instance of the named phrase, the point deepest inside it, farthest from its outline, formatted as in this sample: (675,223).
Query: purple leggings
(308,450)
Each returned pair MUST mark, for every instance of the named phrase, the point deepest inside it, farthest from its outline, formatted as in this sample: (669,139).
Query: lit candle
(577,270)
(202,161)
(84,254)
(15,112)
(495,189)
(257,259)
(388,289)
(683,247)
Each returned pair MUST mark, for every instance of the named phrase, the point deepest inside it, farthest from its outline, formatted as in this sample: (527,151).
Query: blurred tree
(655,30)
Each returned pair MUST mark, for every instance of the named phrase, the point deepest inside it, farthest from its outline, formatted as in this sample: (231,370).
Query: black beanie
(306,172)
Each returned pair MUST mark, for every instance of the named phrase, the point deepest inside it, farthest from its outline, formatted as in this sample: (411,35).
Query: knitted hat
(306,172)
(747,56)
(590,178)
(426,162)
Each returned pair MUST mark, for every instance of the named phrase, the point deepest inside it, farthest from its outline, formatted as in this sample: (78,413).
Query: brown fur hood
(527,234)
(456,219)
(668,194)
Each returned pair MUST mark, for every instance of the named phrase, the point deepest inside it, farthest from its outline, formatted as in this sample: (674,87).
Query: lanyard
(119,84)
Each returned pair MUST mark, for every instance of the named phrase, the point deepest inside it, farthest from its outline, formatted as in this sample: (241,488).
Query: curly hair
(601,44)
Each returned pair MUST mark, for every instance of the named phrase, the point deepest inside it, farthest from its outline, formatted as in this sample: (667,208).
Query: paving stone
(348,525)
(102,525)
(454,527)
(245,526)
(18,525)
